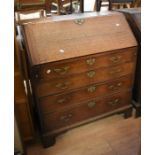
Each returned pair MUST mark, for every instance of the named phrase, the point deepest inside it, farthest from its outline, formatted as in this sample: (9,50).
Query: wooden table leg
(82,6)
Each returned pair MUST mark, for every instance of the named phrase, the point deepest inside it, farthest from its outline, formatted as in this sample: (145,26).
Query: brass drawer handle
(114,102)
(63,85)
(116,71)
(114,87)
(91,104)
(60,101)
(91,74)
(90,61)
(91,89)
(66,118)
(79,21)
(62,70)
(115,59)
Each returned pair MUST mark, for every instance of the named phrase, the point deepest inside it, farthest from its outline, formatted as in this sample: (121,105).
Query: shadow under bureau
(81,69)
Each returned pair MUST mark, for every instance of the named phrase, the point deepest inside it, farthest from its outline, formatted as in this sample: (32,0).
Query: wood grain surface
(110,136)
(63,39)
(60,85)
(82,64)
(57,102)
(70,46)
(85,111)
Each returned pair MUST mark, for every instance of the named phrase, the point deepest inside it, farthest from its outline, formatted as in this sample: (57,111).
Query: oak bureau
(81,69)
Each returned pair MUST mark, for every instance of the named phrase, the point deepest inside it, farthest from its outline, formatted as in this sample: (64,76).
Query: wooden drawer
(86,110)
(59,101)
(79,65)
(84,79)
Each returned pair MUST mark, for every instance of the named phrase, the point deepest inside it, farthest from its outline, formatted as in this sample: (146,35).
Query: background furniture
(24,5)
(67,6)
(21,16)
(120,4)
(101,3)
(54,6)
(133,16)
(80,75)
(22,102)
(137,3)
(23,94)
(117,4)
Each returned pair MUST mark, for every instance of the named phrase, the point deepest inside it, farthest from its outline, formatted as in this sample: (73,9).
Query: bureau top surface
(71,36)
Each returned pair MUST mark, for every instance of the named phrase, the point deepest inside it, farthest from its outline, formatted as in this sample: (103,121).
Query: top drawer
(78,65)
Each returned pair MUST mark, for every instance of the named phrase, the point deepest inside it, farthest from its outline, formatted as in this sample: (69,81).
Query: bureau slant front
(81,69)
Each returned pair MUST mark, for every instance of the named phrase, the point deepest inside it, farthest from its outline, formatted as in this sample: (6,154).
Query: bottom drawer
(86,110)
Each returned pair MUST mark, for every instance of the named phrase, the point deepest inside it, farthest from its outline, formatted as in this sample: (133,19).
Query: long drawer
(78,65)
(86,110)
(56,102)
(84,79)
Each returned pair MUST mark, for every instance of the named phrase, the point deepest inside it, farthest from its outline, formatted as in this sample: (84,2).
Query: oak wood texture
(134,18)
(82,64)
(25,5)
(83,79)
(88,109)
(99,50)
(80,40)
(109,136)
(22,108)
(59,101)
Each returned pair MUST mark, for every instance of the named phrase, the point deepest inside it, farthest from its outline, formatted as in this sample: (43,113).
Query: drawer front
(62,69)
(84,79)
(86,110)
(56,102)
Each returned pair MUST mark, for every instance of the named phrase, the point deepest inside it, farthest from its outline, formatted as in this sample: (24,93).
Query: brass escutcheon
(90,61)
(91,104)
(91,89)
(79,21)
(91,74)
